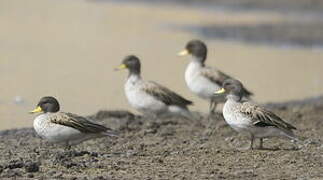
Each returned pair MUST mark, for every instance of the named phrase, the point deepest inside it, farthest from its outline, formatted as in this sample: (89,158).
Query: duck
(249,118)
(149,97)
(63,127)
(204,80)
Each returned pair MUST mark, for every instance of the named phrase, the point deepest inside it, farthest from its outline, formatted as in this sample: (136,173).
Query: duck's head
(132,63)
(197,49)
(46,104)
(232,88)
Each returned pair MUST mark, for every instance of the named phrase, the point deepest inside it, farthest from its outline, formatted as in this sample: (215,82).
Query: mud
(171,148)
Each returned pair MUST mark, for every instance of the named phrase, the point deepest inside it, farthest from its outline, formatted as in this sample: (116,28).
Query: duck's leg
(212,107)
(261,143)
(209,121)
(252,138)
(209,116)
(67,146)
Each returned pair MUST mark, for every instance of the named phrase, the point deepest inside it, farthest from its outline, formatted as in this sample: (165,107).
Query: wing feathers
(262,117)
(218,77)
(165,95)
(78,122)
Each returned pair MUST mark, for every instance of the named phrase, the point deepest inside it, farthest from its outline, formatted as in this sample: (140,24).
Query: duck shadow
(277,149)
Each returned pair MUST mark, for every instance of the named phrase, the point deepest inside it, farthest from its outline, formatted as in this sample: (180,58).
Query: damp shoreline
(171,148)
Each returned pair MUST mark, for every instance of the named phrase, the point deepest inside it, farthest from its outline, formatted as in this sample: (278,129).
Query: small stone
(15,164)
(70,165)
(160,161)
(131,153)
(30,175)
(51,172)
(150,131)
(31,167)
(94,154)
(58,175)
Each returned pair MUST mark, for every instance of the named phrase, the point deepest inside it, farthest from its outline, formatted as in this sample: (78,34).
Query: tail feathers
(187,114)
(291,135)
(111,133)
(181,111)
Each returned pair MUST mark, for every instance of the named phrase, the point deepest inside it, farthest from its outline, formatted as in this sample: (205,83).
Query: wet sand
(68,49)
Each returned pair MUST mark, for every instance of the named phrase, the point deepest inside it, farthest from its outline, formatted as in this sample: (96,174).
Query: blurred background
(68,49)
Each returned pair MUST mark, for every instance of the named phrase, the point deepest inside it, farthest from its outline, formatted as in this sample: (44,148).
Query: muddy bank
(172,148)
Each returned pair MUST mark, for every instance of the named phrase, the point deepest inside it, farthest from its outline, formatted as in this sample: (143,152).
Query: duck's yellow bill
(221,91)
(37,110)
(183,53)
(122,66)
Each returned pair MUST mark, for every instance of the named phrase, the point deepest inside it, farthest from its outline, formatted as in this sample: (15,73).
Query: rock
(31,167)
(15,164)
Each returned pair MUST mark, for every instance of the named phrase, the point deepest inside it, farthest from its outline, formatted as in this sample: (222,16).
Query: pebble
(31,167)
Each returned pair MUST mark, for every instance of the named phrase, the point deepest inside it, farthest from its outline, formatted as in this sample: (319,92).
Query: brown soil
(172,148)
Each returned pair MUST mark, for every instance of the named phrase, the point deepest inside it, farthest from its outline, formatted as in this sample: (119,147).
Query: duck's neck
(134,77)
(234,98)
(230,104)
(134,72)
(198,61)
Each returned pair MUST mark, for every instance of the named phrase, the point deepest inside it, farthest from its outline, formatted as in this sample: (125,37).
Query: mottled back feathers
(77,122)
(219,77)
(261,117)
(165,95)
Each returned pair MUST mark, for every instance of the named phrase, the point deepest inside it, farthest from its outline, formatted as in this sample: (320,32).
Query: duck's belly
(56,133)
(236,121)
(201,86)
(144,102)
(242,124)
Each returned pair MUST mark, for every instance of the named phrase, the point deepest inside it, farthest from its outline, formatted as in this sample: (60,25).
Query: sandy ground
(68,49)
(173,148)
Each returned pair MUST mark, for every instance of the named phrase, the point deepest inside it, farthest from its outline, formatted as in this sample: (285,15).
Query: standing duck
(203,80)
(149,97)
(248,118)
